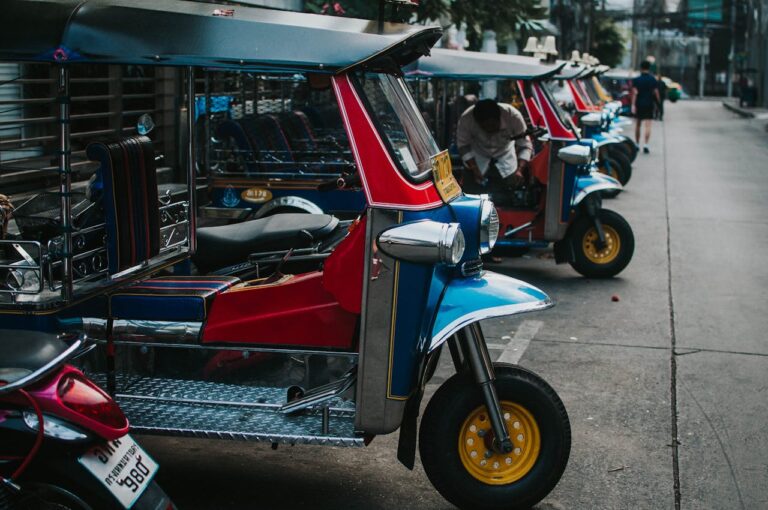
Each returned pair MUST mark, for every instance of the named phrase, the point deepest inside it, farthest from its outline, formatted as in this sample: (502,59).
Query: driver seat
(226,245)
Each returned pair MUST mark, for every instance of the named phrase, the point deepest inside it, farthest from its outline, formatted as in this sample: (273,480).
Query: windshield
(564,116)
(399,120)
(589,87)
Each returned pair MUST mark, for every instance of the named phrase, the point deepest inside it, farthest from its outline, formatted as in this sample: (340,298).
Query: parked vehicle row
(340,257)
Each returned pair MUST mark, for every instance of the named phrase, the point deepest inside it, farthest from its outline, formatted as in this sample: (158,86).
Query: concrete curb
(738,110)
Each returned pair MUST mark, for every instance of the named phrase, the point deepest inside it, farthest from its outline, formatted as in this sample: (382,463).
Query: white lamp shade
(550,47)
(532,46)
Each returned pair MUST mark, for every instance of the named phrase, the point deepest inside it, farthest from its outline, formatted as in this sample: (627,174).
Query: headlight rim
(488,217)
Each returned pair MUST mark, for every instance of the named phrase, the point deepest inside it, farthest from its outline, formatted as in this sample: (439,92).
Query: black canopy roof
(183,33)
(473,65)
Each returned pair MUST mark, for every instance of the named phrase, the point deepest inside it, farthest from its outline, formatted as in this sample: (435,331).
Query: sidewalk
(732,104)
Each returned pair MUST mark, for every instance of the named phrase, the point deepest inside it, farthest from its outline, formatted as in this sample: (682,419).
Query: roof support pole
(191,172)
(65,181)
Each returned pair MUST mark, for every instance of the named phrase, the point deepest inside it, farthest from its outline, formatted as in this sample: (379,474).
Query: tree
(508,18)
(607,42)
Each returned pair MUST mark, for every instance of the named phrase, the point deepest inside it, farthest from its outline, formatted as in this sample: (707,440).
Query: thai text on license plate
(123,466)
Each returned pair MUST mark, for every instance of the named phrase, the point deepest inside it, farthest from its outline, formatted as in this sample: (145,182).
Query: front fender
(595,181)
(468,300)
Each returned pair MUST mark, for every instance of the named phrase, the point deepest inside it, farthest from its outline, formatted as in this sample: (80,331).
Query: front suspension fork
(474,355)
(592,206)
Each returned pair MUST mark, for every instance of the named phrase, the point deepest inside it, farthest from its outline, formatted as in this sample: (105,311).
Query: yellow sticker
(442,172)
(256,195)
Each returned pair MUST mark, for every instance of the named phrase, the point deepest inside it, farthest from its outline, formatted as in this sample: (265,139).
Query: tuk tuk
(332,356)
(561,202)
(574,89)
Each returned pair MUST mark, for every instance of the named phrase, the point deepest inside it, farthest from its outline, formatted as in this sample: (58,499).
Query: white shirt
(483,147)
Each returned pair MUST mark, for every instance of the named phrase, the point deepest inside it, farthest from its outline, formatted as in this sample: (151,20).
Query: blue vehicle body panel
(469,300)
(594,181)
(435,301)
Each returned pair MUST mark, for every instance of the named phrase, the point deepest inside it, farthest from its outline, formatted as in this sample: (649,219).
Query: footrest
(226,411)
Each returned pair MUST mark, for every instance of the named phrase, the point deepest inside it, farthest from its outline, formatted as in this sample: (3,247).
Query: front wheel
(595,261)
(455,441)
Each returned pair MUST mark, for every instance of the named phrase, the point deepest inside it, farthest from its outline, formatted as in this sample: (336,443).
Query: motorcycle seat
(23,352)
(226,245)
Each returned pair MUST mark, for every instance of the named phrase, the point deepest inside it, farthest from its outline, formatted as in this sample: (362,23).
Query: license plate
(123,466)
(442,173)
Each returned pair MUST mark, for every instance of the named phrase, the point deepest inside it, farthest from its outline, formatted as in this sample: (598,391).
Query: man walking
(645,95)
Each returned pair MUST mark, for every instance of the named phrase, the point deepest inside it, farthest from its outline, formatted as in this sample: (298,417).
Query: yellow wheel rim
(609,252)
(482,462)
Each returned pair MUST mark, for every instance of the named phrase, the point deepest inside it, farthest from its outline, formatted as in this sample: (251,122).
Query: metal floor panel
(227,411)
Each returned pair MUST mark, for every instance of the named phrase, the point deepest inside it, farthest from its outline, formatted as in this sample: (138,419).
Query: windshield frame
(396,84)
(563,116)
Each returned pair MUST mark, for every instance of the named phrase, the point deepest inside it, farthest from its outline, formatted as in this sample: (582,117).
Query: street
(666,385)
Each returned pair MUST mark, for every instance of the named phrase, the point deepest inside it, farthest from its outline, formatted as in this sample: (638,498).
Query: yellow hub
(488,466)
(610,250)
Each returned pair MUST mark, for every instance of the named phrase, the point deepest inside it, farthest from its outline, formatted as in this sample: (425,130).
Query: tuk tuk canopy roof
(621,74)
(473,65)
(185,33)
(571,70)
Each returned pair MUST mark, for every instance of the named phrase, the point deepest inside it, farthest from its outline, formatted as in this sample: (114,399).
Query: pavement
(748,112)
(666,388)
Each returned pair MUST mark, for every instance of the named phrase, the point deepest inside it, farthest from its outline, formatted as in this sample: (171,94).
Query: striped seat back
(131,206)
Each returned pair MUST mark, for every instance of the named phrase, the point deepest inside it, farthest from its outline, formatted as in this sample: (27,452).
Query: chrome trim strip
(291,201)
(487,313)
(235,347)
(191,164)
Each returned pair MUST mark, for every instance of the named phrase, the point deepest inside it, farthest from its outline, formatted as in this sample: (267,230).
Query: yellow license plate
(442,172)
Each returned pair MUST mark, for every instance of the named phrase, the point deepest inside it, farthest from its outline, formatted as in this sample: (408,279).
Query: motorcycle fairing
(468,300)
(591,183)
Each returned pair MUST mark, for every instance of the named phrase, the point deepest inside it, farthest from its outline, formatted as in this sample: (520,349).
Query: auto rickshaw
(561,203)
(333,356)
(617,151)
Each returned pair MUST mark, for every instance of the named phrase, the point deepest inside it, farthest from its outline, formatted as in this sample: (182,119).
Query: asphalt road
(666,388)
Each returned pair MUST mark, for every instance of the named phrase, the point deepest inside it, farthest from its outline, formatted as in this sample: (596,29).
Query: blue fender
(590,183)
(468,300)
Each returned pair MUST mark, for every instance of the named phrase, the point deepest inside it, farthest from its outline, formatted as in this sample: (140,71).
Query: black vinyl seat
(23,352)
(226,245)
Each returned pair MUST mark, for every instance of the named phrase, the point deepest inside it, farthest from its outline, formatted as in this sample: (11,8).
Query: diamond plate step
(227,411)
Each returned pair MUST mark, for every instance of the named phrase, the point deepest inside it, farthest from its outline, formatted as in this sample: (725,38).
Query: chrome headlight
(576,154)
(489,226)
(425,242)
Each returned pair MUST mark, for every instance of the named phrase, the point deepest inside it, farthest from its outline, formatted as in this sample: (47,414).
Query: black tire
(46,496)
(624,165)
(621,148)
(63,485)
(631,148)
(611,167)
(455,401)
(621,249)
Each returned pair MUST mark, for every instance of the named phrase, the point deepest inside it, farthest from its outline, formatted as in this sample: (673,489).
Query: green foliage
(508,18)
(607,41)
